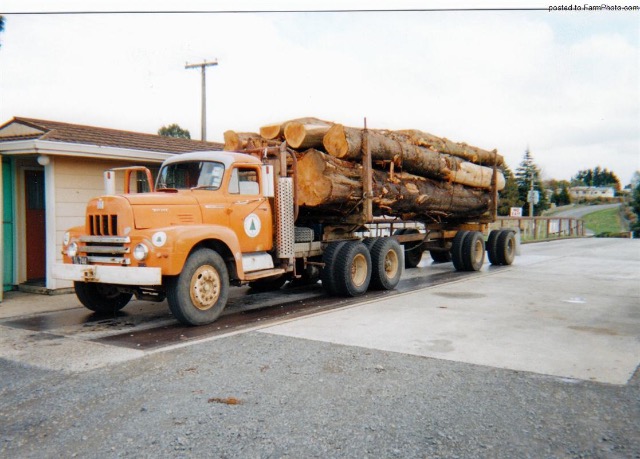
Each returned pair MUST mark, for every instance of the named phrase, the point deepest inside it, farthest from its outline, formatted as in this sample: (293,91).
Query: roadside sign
(516,212)
(533,196)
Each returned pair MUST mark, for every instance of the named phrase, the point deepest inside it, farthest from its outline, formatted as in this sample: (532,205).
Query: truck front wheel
(199,293)
(101,298)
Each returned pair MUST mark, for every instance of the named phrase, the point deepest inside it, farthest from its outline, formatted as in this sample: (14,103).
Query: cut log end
(335,141)
(271,131)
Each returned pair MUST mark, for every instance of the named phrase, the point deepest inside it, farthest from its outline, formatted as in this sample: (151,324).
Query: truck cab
(208,223)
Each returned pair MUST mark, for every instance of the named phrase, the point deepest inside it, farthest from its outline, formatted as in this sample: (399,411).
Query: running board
(262,274)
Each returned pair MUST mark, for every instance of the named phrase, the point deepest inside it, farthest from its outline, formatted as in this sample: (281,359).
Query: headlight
(72,249)
(67,238)
(140,252)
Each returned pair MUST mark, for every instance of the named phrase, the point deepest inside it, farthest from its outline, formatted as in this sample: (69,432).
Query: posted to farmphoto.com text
(590,7)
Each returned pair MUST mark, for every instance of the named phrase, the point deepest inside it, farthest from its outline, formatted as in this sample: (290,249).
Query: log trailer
(216,219)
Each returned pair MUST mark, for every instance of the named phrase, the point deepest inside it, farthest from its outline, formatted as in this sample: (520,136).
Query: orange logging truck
(216,219)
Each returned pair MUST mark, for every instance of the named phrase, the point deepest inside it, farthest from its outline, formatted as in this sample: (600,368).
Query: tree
(1,26)
(526,173)
(635,206)
(597,177)
(560,195)
(174,130)
(509,197)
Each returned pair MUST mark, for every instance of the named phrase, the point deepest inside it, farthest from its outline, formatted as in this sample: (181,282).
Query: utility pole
(531,196)
(203,66)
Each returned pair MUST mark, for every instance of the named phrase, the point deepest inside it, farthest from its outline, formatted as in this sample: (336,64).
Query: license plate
(80,260)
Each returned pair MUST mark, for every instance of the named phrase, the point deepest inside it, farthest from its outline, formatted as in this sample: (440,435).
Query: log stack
(415,174)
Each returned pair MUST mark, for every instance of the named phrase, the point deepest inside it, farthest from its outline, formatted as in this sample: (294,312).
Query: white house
(48,172)
(591,192)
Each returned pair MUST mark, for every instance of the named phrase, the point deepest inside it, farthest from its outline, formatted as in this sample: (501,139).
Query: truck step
(262,274)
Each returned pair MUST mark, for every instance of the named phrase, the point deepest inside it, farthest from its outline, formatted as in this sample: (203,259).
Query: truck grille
(104,249)
(103,225)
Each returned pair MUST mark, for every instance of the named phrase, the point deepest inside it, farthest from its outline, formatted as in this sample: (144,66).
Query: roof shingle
(56,131)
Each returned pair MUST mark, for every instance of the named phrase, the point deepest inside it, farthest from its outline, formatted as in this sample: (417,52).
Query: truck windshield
(192,174)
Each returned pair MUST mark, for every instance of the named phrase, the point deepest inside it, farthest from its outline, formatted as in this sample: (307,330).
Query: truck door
(249,210)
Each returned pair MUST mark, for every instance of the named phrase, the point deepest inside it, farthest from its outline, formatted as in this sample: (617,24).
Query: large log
(276,130)
(238,141)
(346,143)
(305,135)
(326,183)
(444,145)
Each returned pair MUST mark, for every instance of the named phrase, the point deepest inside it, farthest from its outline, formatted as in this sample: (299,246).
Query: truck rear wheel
(506,249)
(386,262)
(199,293)
(473,251)
(492,247)
(352,269)
(101,298)
(328,271)
(456,250)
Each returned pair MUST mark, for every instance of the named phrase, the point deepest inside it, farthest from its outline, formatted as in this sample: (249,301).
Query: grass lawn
(604,221)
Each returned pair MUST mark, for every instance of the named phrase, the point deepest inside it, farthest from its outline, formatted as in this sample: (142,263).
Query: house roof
(20,128)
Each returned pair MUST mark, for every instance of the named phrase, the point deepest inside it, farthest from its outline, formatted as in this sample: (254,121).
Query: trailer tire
(329,259)
(456,250)
(386,263)
(440,256)
(506,247)
(412,250)
(352,269)
(198,295)
(473,250)
(492,247)
(369,242)
(101,298)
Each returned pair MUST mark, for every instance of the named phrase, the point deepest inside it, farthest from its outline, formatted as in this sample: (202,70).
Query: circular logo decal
(159,238)
(252,225)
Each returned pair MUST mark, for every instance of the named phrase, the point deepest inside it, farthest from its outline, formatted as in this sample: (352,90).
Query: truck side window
(244,181)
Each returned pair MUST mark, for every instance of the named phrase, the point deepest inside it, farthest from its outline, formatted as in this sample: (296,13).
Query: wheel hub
(205,287)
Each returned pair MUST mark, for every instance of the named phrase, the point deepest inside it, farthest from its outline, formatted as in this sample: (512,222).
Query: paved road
(581,211)
(539,359)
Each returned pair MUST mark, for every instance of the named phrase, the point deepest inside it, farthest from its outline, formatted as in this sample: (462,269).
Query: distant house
(49,170)
(587,193)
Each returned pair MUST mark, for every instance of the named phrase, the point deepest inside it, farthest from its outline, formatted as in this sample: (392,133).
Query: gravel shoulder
(262,395)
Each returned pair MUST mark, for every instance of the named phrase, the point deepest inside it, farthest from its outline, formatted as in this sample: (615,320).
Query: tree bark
(301,135)
(276,130)
(444,145)
(346,143)
(326,183)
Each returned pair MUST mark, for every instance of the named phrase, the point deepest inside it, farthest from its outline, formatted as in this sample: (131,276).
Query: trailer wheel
(386,263)
(506,247)
(473,251)
(199,293)
(456,250)
(412,250)
(328,272)
(369,242)
(101,298)
(268,284)
(440,256)
(492,247)
(352,269)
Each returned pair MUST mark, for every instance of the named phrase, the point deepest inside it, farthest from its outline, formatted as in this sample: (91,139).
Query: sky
(564,84)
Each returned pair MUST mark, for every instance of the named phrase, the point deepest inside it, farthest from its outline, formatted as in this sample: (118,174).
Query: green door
(7,225)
